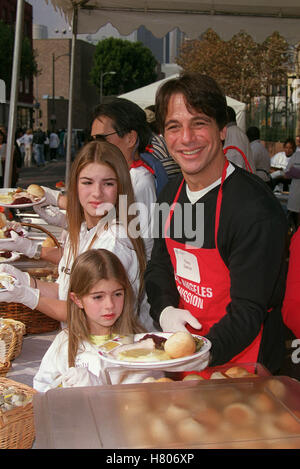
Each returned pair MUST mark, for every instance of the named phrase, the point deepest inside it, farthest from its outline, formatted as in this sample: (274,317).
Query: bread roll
(35,190)
(192,377)
(180,344)
(237,372)
(48,243)
(3,220)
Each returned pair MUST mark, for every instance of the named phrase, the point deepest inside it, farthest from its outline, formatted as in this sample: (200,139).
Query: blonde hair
(102,152)
(88,269)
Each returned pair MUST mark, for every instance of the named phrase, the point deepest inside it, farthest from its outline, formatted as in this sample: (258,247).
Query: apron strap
(233,147)
(219,201)
(168,221)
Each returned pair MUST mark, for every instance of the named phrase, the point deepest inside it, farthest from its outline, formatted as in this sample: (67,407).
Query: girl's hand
(79,377)
(19,244)
(23,278)
(17,293)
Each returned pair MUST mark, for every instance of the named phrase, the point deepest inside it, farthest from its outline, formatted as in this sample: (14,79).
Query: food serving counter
(252,412)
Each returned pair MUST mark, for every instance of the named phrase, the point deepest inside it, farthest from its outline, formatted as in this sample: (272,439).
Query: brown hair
(89,268)
(102,152)
(200,92)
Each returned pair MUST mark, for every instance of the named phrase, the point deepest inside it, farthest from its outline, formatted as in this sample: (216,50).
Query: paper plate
(14,257)
(7,190)
(156,365)
(12,279)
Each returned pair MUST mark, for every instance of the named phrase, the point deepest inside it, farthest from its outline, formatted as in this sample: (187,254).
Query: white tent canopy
(260,18)
(145,96)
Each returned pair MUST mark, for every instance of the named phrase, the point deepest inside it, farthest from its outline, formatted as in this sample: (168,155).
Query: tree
(241,66)
(28,66)
(134,64)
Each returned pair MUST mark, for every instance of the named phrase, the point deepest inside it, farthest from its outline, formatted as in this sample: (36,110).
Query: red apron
(203,280)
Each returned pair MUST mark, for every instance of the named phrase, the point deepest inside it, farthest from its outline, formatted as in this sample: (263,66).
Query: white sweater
(54,366)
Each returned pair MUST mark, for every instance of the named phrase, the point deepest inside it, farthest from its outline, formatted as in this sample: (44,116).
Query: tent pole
(71,92)
(12,119)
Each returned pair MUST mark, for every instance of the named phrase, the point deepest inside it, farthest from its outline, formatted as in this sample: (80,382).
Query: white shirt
(143,184)
(54,365)
(115,240)
(279,160)
(293,203)
(193,196)
(53,140)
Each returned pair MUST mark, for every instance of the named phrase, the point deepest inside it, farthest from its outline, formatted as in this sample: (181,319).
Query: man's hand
(174,319)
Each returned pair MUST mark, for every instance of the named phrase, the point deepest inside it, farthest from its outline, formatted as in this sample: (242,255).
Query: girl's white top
(54,367)
(113,239)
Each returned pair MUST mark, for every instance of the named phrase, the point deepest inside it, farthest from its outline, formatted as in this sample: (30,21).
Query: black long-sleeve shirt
(252,243)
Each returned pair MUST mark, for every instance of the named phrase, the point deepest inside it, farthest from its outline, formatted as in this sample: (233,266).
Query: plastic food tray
(251,413)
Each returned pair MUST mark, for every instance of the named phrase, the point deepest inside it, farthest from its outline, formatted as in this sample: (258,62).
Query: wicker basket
(17,425)
(8,339)
(34,321)
(4,368)
(19,329)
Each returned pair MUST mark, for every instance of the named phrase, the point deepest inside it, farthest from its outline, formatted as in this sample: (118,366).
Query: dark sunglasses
(101,136)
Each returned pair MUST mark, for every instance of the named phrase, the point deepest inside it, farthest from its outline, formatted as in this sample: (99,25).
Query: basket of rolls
(16,415)
(34,321)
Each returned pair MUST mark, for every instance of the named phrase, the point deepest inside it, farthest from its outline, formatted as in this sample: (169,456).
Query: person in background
(96,218)
(297,140)
(224,279)
(100,307)
(235,137)
(53,145)
(292,173)
(260,154)
(158,147)
(61,149)
(126,123)
(279,163)
(27,141)
(39,138)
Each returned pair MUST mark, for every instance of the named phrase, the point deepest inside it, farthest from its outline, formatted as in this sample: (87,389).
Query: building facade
(51,85)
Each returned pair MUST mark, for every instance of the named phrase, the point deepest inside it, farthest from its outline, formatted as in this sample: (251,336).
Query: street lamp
(101,82)
(54,59)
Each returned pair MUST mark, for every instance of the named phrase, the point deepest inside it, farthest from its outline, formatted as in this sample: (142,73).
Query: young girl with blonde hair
(99,176)
(100,303)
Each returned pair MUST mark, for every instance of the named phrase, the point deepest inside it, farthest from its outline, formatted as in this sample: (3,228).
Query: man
(260,154)
(241,155)
(297,142)
(39,138)
(227,285)
(279,163)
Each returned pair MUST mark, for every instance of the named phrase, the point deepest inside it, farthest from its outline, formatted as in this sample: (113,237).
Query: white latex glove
(174,319)
(23,278)
(19,244)
(78,377)
(20,294)
(51,196)
(52,215)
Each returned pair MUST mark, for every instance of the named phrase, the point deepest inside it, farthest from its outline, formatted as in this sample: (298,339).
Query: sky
(46,15)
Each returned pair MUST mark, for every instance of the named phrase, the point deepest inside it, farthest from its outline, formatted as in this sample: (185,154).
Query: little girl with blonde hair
(99,308)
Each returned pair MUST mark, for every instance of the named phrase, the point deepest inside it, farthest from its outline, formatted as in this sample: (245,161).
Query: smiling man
(230,286)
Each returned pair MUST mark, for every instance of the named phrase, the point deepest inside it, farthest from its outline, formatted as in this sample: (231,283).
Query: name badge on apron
(187,265)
